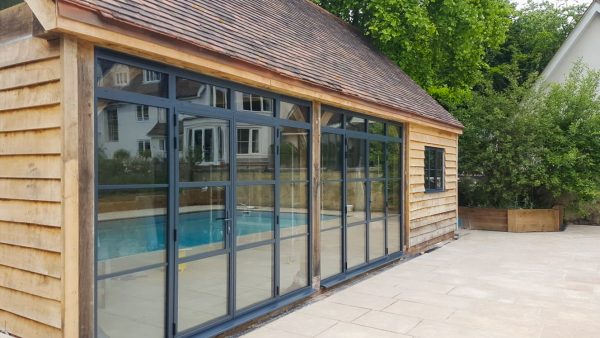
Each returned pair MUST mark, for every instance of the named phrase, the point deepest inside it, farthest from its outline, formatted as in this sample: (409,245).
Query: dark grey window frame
(364,135)
(174,107)
(437,168)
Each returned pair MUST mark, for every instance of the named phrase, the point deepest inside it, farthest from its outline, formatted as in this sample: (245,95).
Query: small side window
(434,169)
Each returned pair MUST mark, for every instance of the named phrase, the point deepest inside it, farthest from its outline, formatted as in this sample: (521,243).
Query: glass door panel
(204,149)
(254,276)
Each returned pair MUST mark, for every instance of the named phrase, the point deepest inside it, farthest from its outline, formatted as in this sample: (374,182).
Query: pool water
(125,237)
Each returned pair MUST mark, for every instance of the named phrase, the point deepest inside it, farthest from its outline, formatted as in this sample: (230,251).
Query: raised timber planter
(511,220)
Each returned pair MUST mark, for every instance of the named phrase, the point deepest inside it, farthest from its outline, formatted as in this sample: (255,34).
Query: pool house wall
(47,169)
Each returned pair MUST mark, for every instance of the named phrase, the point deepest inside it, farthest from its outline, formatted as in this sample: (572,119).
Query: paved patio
(487,284)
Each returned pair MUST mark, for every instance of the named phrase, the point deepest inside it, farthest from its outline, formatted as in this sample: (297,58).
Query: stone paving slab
(486,284)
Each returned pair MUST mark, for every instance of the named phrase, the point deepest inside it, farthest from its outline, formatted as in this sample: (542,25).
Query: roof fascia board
(78,22)
(585,21)
(45,11)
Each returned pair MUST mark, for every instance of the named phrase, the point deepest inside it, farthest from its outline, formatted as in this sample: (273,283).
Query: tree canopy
(439,43)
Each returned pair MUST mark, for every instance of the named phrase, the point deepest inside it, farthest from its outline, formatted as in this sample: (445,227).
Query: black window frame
(435,169)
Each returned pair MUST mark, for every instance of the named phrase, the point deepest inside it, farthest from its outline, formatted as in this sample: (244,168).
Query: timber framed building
(180,168)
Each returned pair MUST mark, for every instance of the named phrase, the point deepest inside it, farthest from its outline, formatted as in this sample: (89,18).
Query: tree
(535,35)
(439,43)
(532,146)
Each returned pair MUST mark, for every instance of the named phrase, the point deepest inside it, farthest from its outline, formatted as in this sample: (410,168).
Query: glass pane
(202,291)
(201,93)
(394,130)
(254,269)
(201,225)
(131,229)
(294,112)
(394,158)
(394,198)
(294,264)
(356,245)
(132,305)
(331,119)
(254,103)
(355,123)
(376,240)
(331,156)
(377,199)
(331,252)
(356,202)
(293,216)
(129,150)
(204,149)
(331,205)
(376,127)
(255,152)
(294,154)
(254,213)
(119,76)
(376,160)
(394,231)
(356,158)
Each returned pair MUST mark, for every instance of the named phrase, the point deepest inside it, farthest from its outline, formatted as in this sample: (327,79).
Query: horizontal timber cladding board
(23,327)
(424,246)
(31,212)
(418,146)
(32,260)
(426,196)
(41,310)
(15,22)
(31,142)
(31,189)
(28,50)
(31,166)
(30,74)
(416,240)
(31,283)
(31,118)
(41,95)
(419,156)
(433,227)
(31,236)
(419,222)
(418,187)
(416,205)
(438,209)
(433,141)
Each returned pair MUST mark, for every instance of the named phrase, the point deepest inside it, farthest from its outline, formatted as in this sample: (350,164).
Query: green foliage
(536,33)
(439,43)
(532,147)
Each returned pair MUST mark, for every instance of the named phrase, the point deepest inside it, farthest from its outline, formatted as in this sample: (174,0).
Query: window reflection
(376,160)
(120,76)
(254,103)
(356,160)
(204,150)
(202,93)
(131,151)
(294,154)
(331,119)
(255,152)
(355,123)
(331,156)
(292,111)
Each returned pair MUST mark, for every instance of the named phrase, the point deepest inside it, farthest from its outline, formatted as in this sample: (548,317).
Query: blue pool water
(124,237)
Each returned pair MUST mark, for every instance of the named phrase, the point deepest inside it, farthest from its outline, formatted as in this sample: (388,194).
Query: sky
(569,2)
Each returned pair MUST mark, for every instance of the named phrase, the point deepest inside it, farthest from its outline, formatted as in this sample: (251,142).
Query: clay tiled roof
(295,38)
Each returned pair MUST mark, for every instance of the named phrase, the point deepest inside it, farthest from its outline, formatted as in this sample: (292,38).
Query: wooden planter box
(511,220)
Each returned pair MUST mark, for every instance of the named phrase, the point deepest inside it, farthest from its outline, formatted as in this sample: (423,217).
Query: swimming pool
(130,236)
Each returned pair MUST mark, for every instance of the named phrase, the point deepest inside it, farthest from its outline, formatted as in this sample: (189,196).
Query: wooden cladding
(31,244)
(431,216)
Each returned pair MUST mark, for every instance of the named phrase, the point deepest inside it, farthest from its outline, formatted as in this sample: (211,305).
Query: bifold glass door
(202,212)
(203,221)
(361,188)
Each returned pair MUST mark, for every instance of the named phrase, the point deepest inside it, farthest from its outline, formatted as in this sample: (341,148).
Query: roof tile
(293,37)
